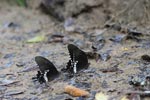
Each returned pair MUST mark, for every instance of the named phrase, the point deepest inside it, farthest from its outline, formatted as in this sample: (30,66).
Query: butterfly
(47,70)
(78,61)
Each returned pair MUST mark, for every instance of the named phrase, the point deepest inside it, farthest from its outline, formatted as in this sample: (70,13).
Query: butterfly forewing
(45,64)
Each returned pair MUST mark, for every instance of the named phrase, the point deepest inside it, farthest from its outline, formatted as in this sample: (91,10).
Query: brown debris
(111,69)
(7,82)
(76,92)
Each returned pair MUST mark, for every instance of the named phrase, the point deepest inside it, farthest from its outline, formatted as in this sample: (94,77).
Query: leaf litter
(127,45)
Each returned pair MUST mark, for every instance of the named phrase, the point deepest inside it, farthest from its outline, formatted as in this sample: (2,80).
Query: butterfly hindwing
(78,57)
(47,69)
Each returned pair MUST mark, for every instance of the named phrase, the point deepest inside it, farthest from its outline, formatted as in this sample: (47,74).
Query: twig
(138,92)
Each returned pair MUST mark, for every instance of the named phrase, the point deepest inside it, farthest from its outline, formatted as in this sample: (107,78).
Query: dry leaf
(13,92)
(101,96)
(124,98)
(7,82)
(76,92)
(124,49)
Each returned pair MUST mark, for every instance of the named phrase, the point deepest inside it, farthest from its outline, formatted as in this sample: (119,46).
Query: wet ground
(121,48)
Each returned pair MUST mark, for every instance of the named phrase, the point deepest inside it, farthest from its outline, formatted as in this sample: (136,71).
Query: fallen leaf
(7,82)
(14,92)
(112,69)
(124,49)
(76,92)
(124,98)
(27,69)
(36,39)
(101,96)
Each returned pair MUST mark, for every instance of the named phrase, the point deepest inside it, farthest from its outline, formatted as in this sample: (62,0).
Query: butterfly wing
(47,68)
(78,56)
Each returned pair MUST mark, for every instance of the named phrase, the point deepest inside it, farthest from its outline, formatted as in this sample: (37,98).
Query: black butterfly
(47,71)
(78,59)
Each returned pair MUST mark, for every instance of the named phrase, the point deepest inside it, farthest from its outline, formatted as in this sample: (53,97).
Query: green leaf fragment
(36,39)
(22,3)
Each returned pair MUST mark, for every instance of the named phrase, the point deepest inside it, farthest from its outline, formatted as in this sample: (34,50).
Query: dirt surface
(110,76)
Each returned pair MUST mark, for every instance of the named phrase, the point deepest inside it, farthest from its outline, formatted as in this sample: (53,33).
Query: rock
(118,38)
(145,58)
(62,9)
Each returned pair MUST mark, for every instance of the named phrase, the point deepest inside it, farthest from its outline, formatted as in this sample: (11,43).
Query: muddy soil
(110,76)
